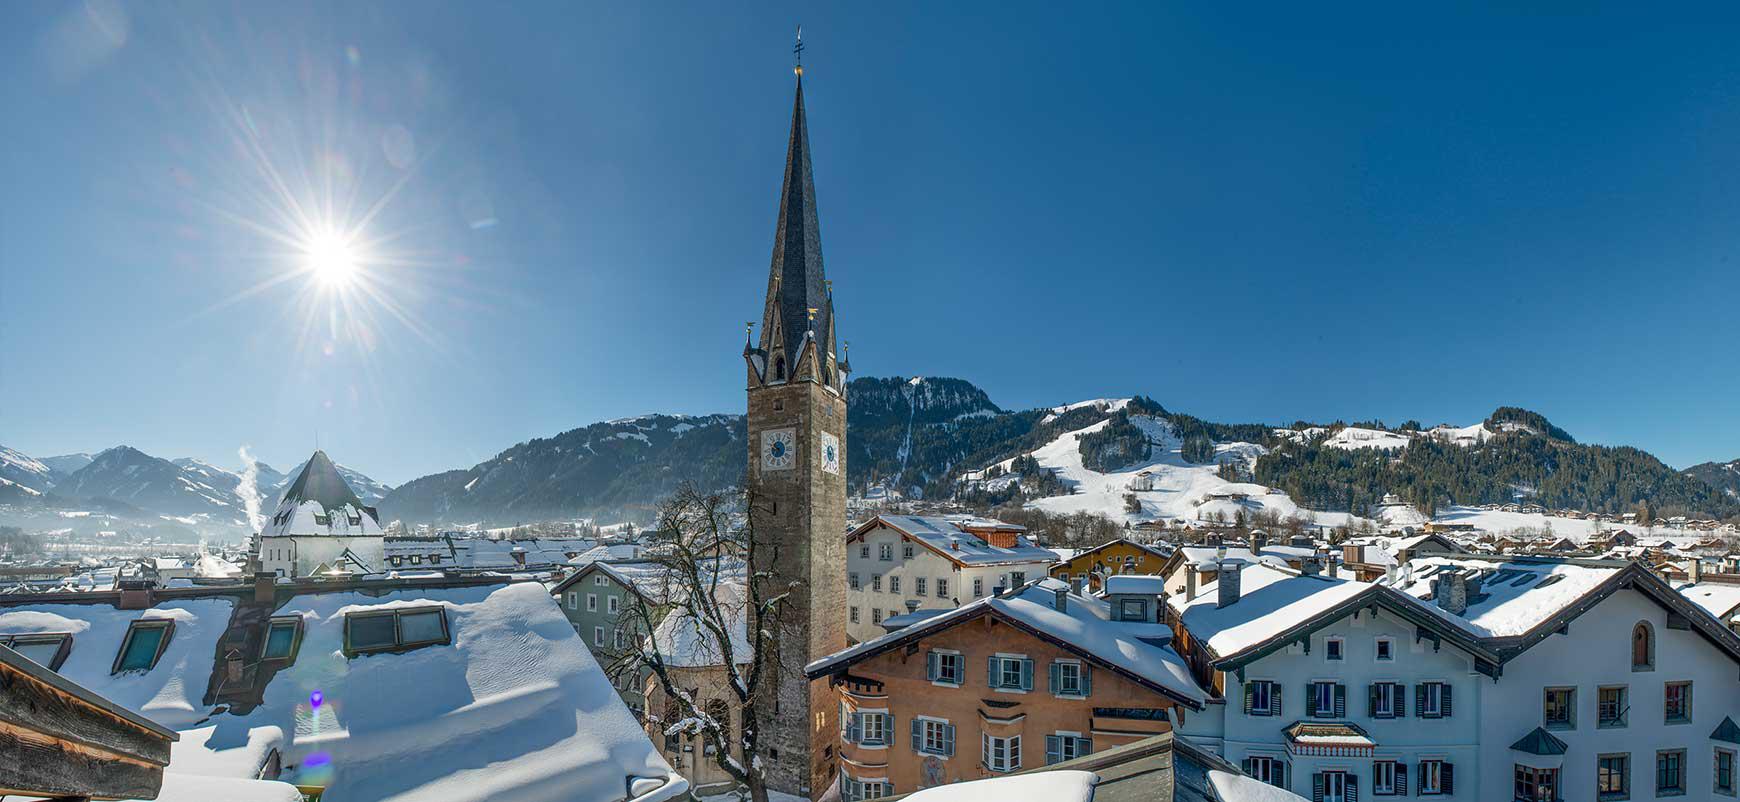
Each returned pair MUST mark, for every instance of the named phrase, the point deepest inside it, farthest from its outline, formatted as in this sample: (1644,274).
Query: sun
(332,260)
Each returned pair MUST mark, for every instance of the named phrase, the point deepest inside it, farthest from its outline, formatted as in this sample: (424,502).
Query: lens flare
(332,260)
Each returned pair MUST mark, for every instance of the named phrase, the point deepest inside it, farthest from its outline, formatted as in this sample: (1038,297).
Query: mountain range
(935,438)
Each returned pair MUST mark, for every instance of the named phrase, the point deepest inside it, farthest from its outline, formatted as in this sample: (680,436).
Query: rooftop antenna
(797,53)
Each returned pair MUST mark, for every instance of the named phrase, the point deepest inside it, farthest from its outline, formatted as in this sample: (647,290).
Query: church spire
(796,284)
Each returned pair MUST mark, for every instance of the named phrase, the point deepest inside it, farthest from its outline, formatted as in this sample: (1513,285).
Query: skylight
(144,644)
(283,635)
(395,630)
(47,649)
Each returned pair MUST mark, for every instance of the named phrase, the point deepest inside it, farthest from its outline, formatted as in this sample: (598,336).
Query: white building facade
(896,564)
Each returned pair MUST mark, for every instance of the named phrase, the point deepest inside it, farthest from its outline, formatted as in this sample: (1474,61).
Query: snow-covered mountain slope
(65,464)
(23,470)
(1724,476)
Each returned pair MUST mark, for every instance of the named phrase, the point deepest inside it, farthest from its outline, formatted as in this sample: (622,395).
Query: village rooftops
(963,539)
(1135,584)
(1139,651)
(1209,555)
(440,688)
(1719,594)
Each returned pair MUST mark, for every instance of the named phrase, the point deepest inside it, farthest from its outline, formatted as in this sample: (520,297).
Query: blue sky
(1262,214)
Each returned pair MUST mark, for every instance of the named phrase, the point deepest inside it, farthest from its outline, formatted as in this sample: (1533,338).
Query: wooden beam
(34,765)
(32,706)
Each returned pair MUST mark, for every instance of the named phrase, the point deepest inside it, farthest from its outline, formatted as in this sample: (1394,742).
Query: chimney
(1311,566)
(1189,582)
(519,554)
(912,605)
(1334,567)
(265,588)
(997,591)
(1230,575)
(1062,602)
(136,594)
(1301,541)
(1452,592)
(1695,571)
(233,665)
(1259,539)
(1352,553)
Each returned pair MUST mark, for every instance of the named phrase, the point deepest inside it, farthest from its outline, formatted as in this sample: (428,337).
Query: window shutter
(1027,675)
(1087,680)
(888,727)
(1275,698)
(949,740)
(1401,779)
(1054,670)
(1420,698)
(991,672)
(1401,698)
(853,729)
(1317,787)
(1352,794)
(1287,776)
(930,662)
(1248,694)
(1444,706)
(1371,700)
(1052,748)
(1245,766)
(1340,700)
(1448,784)
(917,734)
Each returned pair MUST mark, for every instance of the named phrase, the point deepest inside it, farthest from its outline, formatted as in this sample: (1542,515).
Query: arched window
(1642,647)
(779,368)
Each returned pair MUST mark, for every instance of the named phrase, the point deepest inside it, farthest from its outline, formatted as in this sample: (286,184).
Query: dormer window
(395,630)
(48,650)
(144,644)
(322,520)
(283,638)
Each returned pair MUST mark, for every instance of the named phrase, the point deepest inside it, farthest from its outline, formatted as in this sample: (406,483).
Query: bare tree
(710,603)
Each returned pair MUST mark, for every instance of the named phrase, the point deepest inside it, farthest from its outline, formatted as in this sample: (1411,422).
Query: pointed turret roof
(795,283)
(321,482)
(319,501)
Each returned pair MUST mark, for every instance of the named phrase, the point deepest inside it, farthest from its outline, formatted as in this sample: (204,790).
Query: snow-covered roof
(1200,555)
(685,643)
(949,536)
(1271,601)
(1514,596)
(1720,598)
(1084,626)
(319,502)
(1229,787)
(514,707)
(1041,786)
(1136,584)
(616,551)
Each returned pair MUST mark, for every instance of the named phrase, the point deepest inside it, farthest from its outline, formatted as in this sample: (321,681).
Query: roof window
(144,644)
(396,630)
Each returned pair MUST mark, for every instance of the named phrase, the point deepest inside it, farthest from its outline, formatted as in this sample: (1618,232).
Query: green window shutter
(1444,706)
(917,734)
(1248,703)
(1371,700)
(1084,746)
(1275,699)
(1087,680)
(930,666)
(1448,783)
(1340,700)
(1401,697)
(991,672)
(1053,749)
(1027,675)
(1401,778)
(1053,670)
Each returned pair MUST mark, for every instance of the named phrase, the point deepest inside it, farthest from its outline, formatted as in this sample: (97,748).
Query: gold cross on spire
(797,53)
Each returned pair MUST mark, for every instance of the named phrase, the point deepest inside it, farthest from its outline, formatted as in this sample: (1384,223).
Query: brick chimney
(265,587)
(1230,576)
(1695,571)
(1259,539)
(1452,592)
(519,554)
(1189,582)
(1062,600)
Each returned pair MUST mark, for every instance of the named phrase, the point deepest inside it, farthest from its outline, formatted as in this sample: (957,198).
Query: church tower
(797,472)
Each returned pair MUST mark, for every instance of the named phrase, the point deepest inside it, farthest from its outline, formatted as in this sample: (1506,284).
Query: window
(1389,778)
(1017,578)
(894,584)
(1386,650)
(852,790)
(573,600)
(1334,786)
(1610,706)
(598,637)
(852,614)
(978,587)
(620,639)
(600,580)
(1432,699)
(1070,679)
(1677,702)
(1328,700)
(1724,771)
(1066,746)
(1613,776)
(612,603)
(876,615)
(1387,700)
(942,588)
(933,737)
(1011,672)
(876,582)
(283,636)
(873,729)
(592,602)
(434,559)
(1333,648)
(945,667)
(1267,769)
(918,585)
(1642,647)
(852,581)
(1262,698)
(144,643)
(394,630)
(1536,785)
(48,650)
(864,552)
(1670,772)
(885,552)
(1132,609)
(906,551)
(1559,708)
(416,559)
(1000,754)
(1436,777)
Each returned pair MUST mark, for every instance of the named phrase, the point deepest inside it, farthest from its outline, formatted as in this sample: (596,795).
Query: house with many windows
(1033,676)
(896,564)
(1120,556)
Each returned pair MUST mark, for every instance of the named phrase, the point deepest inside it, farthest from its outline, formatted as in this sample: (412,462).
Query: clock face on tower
(778,449)
(830,453)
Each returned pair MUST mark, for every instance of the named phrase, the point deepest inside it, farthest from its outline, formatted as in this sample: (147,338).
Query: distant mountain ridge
(1724,476)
